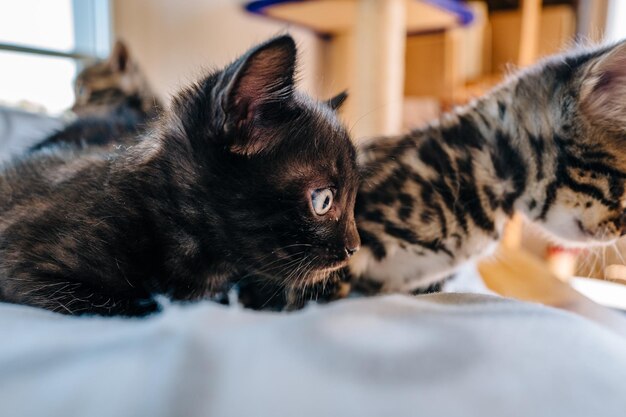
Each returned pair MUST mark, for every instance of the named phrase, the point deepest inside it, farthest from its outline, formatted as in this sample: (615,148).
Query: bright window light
(36,81)
(41,43)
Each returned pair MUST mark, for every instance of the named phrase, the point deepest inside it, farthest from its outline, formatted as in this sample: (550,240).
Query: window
(42,45)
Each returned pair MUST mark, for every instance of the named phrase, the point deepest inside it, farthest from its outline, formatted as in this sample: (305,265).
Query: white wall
(176,41)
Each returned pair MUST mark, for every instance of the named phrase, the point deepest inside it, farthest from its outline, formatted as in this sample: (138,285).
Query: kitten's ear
(336,102)
(264,75)
(119,57)
(603,90)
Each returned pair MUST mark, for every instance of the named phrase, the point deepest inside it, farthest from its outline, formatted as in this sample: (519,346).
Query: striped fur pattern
(550,143)
(221,188)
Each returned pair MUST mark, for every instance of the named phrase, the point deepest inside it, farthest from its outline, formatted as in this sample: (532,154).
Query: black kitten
(242,176)
(114,103)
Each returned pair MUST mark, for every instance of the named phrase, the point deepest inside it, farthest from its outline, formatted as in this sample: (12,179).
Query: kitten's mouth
(322,273)
(334,267)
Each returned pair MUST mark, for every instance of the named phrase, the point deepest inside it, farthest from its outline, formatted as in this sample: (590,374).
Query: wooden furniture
(553,26)
(366,49)
(518,38)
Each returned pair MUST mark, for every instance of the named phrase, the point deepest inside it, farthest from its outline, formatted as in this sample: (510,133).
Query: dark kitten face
(297,199)
(278,168)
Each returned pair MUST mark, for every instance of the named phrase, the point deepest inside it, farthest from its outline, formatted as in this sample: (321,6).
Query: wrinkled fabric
(437,355)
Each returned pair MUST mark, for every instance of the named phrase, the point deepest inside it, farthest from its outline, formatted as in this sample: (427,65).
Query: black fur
(220,190)
(122,125)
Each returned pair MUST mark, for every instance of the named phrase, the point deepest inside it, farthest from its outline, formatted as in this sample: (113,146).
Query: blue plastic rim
(457,7)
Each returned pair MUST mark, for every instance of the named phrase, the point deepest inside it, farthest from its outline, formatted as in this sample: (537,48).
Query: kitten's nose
(352,241)
(351,250)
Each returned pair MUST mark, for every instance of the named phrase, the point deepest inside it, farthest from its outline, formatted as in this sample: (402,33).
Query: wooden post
(529,32)
(378,67)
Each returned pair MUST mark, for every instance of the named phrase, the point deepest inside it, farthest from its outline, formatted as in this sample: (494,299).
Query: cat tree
(366,51)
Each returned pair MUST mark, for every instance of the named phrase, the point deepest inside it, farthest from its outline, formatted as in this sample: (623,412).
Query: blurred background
(427,54)
(403,61)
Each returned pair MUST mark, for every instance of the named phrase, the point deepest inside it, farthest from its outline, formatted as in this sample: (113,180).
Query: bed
(437,355)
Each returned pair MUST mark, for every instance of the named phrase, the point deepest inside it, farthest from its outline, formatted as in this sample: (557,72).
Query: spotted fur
(549,143)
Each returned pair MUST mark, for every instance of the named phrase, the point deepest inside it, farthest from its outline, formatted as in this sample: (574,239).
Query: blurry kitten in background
(114,103)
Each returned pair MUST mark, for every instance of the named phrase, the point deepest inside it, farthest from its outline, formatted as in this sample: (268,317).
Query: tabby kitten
(114,103)
(242,175)
(550,143)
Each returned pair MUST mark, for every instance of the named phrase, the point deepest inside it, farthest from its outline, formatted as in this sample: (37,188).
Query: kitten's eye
(322,200)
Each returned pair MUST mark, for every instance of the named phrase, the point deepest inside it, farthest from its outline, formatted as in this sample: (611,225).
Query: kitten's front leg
(66,296)
(258,294)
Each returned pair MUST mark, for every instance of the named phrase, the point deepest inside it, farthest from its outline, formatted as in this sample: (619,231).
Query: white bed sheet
(439,355)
